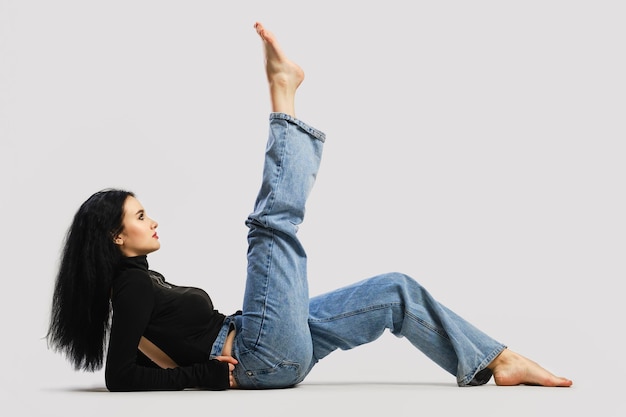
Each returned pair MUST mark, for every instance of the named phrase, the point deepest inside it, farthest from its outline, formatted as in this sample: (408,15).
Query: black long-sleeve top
(181,321)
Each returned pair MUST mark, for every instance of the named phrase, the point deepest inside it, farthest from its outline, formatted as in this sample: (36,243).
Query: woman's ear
(118,240)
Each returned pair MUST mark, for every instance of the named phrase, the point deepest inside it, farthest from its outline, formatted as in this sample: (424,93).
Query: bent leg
(360,313)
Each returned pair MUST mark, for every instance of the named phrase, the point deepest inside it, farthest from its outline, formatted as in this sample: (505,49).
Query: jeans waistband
(227,326)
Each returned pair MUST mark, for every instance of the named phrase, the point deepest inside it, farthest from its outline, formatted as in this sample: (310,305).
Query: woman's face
(138,236)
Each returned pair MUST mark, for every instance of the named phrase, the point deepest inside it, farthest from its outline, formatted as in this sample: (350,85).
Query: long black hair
(81,312)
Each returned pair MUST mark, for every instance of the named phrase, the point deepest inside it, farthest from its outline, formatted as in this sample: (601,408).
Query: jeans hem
(481,375)
(317,134)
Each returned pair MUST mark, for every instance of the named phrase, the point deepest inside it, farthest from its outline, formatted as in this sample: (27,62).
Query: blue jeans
(282,333)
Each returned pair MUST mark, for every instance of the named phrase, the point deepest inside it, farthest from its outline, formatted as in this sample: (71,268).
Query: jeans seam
(425,324)
(277,181)
(267,275)
(354,312)
(429,326)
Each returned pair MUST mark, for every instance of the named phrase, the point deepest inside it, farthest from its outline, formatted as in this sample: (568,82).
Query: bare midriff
(227,350)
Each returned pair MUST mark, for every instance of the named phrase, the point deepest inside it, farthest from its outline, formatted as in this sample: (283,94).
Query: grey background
(476,146)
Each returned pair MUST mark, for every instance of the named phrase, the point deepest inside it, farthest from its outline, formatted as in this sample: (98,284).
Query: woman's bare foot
(283,75)
(510,368)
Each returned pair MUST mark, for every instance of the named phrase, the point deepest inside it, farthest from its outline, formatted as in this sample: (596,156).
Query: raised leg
(273,342)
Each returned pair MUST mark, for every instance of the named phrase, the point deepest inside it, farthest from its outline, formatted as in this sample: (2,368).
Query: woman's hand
(231,367)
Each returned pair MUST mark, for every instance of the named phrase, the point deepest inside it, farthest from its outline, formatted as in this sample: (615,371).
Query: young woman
(160,336)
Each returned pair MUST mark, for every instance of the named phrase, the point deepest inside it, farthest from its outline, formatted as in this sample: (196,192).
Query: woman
(165,337)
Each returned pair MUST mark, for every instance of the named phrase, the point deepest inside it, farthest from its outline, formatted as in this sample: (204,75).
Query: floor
(321,398)
(345,382)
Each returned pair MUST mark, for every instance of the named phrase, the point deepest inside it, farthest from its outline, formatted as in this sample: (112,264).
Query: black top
(181,321)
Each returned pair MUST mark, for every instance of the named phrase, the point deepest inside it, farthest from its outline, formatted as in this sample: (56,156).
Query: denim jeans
(282,333)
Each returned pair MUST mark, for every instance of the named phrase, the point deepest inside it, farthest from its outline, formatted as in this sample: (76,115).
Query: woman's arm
(133,302)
